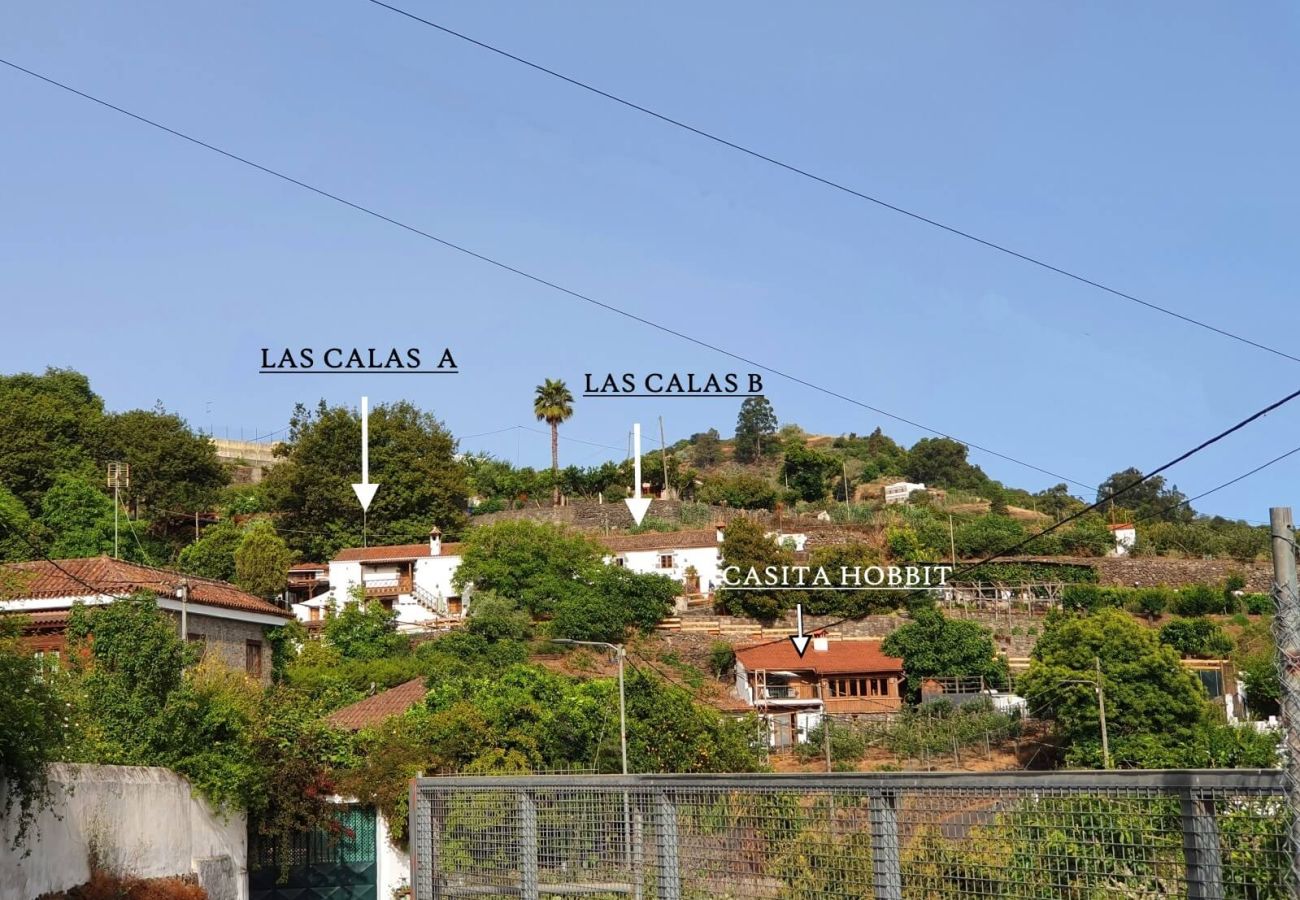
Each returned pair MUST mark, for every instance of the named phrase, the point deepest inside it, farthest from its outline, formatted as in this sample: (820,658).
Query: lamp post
(1096,685)
(620,654)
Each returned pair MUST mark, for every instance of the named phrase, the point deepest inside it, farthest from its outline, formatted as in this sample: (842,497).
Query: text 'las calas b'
(673,384)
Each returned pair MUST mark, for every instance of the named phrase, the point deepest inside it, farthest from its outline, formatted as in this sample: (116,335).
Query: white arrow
(365,490)
(635,505)
(800,641)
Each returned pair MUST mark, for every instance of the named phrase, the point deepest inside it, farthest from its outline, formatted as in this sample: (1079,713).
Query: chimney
(435,541)
(821,644)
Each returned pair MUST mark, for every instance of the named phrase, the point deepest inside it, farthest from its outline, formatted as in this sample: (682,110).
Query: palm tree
(553,404)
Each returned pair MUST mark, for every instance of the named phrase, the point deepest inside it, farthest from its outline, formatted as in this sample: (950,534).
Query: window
(665,560)
(313,614)
(620,561)
(253,658)
(47,662)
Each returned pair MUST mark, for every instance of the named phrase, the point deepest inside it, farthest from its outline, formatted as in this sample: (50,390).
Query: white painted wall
(394,866)
(143,820)
(706,560)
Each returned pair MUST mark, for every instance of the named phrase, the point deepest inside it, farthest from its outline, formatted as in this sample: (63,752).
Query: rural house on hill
(230,624)
(838,677)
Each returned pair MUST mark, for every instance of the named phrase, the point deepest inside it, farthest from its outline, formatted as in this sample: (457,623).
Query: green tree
(79,516)
(365,630)
(997,500)
(1150,697)
(51,424)
(807,470)
(534,564)
(1148,499)
(615,601)
(746,547)
(1197,637)
(706,448)
(755,423)
(21,537)
(412,459)
(740,491)
(553,404)
(172,468)
(497,618)
(933,645)
(262,561)
(942,461)
(34,724)
(213,554)
(131,659)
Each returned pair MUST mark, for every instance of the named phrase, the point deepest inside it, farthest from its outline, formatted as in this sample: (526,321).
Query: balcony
(387,586)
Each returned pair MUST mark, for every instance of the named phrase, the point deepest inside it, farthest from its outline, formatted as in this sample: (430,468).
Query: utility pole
(952,541)
(183,592)
(844,473)
(826,724)
(118,472)
(663,451)
(1101,712)
(1286,633)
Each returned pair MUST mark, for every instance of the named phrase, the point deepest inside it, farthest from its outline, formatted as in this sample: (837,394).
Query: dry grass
(108,886)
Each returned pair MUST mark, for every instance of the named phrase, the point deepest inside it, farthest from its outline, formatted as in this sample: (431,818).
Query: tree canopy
(755,424)
(412,459)
(934,645)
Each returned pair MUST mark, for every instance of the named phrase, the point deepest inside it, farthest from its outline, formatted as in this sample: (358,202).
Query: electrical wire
(1190,500)
(836,185)
(536,279)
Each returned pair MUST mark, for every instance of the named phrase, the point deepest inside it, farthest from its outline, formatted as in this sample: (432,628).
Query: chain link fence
(1149,834)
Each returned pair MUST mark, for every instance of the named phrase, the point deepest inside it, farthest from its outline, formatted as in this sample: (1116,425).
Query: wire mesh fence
(1153,834)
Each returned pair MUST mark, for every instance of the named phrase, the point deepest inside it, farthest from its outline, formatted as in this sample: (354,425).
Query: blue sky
(1152,147)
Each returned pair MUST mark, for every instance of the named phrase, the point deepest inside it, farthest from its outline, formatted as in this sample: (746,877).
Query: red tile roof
(839,658)
(660,540)
(373,710)
(308,567)
(397,553)
(42,579)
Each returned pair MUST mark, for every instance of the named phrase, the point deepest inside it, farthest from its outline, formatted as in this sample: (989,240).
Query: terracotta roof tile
(660,540)
(396,553)
(839,658)
(373,710)
(42,579)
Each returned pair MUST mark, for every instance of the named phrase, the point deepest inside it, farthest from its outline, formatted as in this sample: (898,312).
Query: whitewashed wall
(142,820)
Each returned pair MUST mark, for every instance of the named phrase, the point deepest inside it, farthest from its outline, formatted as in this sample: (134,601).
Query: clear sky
(1151,146)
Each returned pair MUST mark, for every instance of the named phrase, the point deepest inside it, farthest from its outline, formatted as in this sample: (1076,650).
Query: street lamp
(1096,685)
(620,654)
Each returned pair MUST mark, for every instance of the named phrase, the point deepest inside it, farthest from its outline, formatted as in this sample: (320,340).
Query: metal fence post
(1286,633)
(425,839)
(528,886)
(886,865)
(1201,846)
(670,874)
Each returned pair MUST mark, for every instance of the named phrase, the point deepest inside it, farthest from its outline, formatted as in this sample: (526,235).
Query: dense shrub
(1258,604)
(1197,637)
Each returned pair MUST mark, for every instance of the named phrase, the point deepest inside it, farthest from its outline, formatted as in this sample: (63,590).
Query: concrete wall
(141,820)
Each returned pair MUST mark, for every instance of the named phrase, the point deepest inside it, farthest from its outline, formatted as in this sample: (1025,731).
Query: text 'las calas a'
(684,384)
(355,359)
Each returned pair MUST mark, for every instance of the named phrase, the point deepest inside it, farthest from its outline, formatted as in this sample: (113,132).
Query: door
(339,863)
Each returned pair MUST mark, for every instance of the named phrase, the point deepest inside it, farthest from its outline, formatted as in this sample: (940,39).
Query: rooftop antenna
(119,476)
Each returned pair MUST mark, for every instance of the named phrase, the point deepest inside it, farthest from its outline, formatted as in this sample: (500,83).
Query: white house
(899,491)
(1125,538)
(692,557)
(414,579)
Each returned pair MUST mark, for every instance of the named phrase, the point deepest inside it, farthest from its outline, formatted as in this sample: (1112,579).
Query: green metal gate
(338,863)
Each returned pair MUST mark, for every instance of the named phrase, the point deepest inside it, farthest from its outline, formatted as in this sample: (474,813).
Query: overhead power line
(1242,477)
(537,279)
(836,185)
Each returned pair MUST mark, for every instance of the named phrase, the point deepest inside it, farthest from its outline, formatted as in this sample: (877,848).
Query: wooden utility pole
(663,451)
